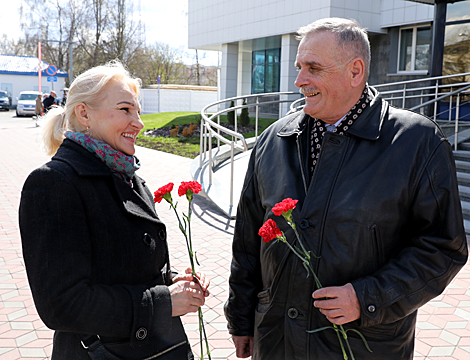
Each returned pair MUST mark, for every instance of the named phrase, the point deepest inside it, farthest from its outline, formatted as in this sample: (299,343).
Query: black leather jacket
(382,212)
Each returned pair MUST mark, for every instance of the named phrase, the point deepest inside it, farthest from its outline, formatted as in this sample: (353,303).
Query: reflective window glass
(459,10)
(406,47)
(265,71)
(423,45)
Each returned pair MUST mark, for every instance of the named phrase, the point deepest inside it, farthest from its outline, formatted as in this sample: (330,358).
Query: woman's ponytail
(54,129)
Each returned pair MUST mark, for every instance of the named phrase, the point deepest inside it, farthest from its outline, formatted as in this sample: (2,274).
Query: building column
(288,71)
(229,73)
(244,72)
(438,36)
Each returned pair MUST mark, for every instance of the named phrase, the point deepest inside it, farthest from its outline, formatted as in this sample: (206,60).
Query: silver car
(27,103)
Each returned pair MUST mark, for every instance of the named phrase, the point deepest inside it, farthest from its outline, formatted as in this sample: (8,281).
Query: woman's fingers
(186,296)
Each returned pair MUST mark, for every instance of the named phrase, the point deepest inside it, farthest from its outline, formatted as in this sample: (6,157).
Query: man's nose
(301,79)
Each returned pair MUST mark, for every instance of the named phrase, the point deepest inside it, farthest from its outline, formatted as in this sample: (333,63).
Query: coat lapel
(135,201)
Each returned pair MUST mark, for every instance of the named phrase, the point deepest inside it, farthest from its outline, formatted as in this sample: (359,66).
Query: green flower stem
(304,255)
(189,245)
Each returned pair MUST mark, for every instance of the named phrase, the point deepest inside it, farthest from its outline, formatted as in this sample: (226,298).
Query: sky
(165,21)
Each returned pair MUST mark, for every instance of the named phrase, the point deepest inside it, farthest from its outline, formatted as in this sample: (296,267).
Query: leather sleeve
(436,249)
(245,277)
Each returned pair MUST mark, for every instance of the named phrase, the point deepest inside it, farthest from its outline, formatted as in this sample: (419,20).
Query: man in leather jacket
(378,204)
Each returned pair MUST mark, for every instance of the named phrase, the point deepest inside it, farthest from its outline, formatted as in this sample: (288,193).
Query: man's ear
(81,112)
(357,72)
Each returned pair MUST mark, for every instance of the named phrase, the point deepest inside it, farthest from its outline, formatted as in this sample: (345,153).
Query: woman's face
(117,120)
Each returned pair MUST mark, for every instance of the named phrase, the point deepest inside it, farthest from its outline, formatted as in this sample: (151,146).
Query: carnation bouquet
(270,231)
(187,188)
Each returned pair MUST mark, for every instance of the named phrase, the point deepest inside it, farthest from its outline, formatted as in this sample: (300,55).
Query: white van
(27,103)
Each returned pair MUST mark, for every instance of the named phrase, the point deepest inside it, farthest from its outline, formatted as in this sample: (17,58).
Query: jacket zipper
(301,165)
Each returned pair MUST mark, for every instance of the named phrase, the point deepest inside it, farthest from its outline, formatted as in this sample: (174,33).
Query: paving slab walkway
(443,328)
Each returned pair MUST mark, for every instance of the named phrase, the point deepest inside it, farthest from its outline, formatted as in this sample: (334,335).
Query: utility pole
(70,56)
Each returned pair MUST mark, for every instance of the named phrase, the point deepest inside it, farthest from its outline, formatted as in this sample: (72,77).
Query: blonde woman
(95,250)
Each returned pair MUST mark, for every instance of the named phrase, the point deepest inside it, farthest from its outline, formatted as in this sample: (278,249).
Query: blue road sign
(51,70)
(52,78)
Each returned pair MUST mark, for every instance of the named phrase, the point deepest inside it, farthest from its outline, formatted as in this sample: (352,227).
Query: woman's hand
(188,293)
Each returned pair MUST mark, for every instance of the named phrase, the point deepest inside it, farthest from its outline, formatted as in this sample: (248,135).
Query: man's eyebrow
(308,63)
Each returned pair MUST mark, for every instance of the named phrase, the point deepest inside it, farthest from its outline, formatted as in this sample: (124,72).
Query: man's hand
(342,305)
(243,345)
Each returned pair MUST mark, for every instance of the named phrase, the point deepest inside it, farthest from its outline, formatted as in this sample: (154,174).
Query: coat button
(371,308)
(141,334)
(162,234)
(303,224)
(292,313)
(147,239)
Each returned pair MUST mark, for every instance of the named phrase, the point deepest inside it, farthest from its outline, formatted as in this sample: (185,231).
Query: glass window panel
(273,55)
(257,79)
(276,77)
(457,50)
(423,45)
(259,57)
(406,44)
(458,11)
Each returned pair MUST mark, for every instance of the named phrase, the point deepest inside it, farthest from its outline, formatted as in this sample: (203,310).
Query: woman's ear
(81,112)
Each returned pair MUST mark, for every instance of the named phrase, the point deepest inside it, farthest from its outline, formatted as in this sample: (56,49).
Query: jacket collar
(135,201)
(367,126)
(81,160)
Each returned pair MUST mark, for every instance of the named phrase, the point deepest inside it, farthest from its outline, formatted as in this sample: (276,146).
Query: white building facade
(20,73)
(257,41)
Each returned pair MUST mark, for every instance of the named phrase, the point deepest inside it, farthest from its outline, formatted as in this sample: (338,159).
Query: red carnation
(284,206)
(269,231)
(188,188)
(159,195)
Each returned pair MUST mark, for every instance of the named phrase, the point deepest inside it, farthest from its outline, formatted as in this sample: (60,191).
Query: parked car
(27,103)
(5,102)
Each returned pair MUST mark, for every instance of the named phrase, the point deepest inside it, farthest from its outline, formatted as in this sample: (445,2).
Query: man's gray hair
(350,36)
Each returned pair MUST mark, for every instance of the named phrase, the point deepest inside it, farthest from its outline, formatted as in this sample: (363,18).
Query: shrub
(231,115)
(244,117)
(189,131)
(174,132)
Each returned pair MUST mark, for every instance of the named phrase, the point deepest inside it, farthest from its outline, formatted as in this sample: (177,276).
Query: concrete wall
(175,100)
(215,22)
(21,83)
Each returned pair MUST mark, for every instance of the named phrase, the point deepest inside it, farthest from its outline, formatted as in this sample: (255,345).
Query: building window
(265,71)
(414,49)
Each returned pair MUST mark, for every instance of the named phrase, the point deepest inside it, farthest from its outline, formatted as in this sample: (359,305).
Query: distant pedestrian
(38,109)
(64,98)
(49,101)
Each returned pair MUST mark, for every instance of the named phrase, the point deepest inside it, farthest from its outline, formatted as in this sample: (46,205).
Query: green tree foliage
(244,117)
(100,30)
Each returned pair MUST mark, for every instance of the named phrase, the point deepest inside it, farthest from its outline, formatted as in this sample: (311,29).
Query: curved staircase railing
(212,128)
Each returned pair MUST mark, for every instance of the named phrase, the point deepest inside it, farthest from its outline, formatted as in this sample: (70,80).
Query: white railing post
(404,97)
(210,157)
(201,135)
(435,97)
(235,115)
(232,166)
(450,106)
(457,111)
(257,113)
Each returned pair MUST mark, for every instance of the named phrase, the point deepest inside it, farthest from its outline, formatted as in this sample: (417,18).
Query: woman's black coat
(95,253)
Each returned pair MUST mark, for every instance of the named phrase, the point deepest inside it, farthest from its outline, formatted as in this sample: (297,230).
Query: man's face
(324,77)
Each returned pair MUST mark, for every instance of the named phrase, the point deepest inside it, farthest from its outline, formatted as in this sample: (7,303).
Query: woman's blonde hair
(86,88)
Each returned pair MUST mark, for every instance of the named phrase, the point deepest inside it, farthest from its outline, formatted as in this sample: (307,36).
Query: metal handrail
(404,90)
(210,129)
(420,80)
